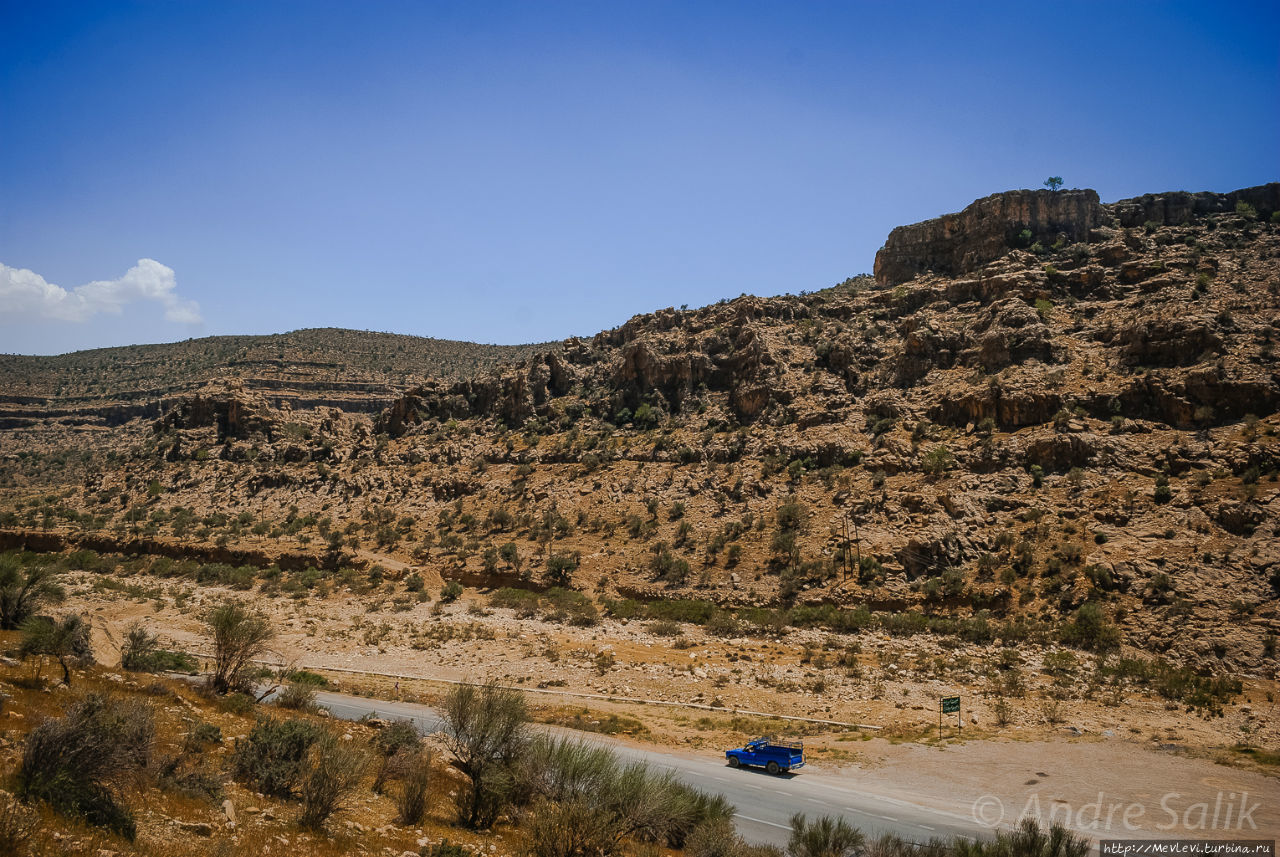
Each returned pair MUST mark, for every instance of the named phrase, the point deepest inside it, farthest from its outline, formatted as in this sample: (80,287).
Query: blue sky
(525,171)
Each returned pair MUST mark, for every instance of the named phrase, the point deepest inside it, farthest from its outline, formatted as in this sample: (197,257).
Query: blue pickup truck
(773,754)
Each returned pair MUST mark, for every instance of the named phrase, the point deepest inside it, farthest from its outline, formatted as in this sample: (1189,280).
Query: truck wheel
(772,767)
(733,762)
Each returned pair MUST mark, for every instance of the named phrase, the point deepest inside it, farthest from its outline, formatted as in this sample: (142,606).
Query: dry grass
(367,822)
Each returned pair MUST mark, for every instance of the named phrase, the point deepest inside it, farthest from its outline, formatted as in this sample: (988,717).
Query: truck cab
(775,755)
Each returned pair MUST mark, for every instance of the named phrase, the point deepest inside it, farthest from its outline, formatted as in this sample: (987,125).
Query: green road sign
(950,704)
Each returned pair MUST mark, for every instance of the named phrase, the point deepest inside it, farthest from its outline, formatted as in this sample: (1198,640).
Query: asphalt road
(764,803)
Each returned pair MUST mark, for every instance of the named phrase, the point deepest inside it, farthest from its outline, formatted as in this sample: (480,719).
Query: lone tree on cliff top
(1053,182)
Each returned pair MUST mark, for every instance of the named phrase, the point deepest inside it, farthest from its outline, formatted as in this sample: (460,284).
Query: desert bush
(330,773)
(1028,839)
(937,461)
(308,678)
(17,825)
(66,640)
(723,624)
(568,605)
(239,636)
(23,591)
(485,730)
(1002,711)
(589,802)
(395,745)
(1091,629)
(681,610)
(75,762)
(185,771)
(415,788)
(451,591)
(1025,840)
(568,828)
(296,696)
(1162,493)
(560,568)
(823,837)
(272,757)
(525,603)
(664,628)
(237,703)
(203,733)
(396,736)
(718,838)
(138,649)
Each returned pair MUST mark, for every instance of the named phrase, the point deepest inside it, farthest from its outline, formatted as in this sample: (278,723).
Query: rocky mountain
(1044,410)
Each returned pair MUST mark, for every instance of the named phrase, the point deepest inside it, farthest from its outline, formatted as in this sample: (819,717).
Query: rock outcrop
(1179,207)
(956,244)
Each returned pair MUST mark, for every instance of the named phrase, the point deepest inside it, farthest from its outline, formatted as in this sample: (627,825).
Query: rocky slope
(1038,403)
(347,369)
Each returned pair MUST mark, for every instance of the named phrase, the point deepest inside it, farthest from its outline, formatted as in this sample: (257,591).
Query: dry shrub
(332,771)
(718,838)
(415,788)
(297,696)
(78,762)
(17,825)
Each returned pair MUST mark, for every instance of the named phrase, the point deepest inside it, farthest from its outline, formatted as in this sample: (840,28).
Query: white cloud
(24,292)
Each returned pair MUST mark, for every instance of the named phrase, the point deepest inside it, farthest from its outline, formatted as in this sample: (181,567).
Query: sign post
(949,705)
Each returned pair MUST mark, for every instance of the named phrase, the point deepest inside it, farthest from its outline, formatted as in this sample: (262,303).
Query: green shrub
(204,733)
(141,652)
(486,731)
(271,757)
(904,624)
(1162,494)
(560,568)
(308,678)
(664,628)
(568,605)
(628,608)
(525,603)
(587,801)
(1091,629)
(681,610)
(296,696)
(938,461)
(823,837)
(396,736)
(451,591)
(395,744)
(723,624)
(239,637)
(23,591)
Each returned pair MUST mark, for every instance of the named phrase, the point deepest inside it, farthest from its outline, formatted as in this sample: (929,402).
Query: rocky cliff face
(958,244)
(1180,207)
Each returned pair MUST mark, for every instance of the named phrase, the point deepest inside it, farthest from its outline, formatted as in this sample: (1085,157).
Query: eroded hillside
(1046,416)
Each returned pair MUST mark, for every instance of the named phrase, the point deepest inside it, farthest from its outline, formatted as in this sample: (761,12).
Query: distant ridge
(336,354)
